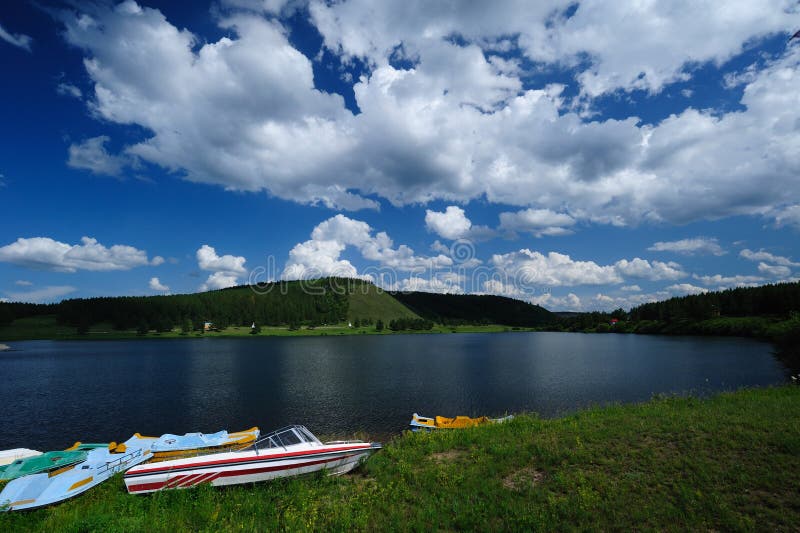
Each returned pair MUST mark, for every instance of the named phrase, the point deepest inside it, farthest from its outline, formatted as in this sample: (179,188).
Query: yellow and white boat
(424,423)
(170,446)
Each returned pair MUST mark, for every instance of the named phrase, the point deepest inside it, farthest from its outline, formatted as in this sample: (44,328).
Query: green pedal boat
(50,462)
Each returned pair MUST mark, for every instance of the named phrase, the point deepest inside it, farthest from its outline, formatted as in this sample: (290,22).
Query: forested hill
(313,302)
(769,312)
(777,300)
(296,303)
(455,309)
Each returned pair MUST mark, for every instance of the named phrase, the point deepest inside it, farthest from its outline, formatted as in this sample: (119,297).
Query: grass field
(367,301)
(727,463)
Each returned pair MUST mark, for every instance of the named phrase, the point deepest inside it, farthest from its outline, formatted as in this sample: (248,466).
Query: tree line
(768,311)
(309,303)
(774,300)
(10,311)
(474,309)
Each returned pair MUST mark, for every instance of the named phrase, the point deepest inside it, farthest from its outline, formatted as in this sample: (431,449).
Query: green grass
(368,301)
(727,463)
(304,331)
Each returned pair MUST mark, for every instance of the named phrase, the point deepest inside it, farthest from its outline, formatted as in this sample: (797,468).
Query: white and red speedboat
(290,451)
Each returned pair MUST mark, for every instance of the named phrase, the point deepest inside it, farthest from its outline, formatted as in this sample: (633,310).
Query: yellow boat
(424,423)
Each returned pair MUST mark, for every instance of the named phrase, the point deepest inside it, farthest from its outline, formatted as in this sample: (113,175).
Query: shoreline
(669,463)
(244,332)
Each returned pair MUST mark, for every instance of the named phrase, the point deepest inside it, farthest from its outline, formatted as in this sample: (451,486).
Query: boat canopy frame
(286,436)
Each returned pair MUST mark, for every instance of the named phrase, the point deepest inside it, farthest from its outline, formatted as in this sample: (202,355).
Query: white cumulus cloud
(775,271)
(420,284)
(686,288)
(451,224)
(738,280)
(156,285)
(531,268)
(651,270)
(767,257)
(44,253)
(321,255)
(219,280)
(570,302)
(628,46)
(225,269)
(696,245)
(539,222)
(243,112)
(527,269)
(92,155)
(207,259)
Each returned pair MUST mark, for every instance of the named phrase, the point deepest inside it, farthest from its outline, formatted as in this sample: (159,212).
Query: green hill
(455,309)
(308,304)
(369,302)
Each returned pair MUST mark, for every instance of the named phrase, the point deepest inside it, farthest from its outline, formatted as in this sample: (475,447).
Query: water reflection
(54,393)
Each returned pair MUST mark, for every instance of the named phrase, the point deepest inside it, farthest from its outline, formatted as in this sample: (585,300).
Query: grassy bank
(47,328)
(730,462)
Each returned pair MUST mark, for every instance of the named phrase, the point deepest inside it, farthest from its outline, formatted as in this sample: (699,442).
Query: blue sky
(578,155)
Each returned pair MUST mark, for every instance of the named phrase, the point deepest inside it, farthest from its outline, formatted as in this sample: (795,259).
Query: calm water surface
(53,393)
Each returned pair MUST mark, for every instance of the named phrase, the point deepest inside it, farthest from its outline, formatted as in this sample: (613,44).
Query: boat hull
(39,490)
(245,467)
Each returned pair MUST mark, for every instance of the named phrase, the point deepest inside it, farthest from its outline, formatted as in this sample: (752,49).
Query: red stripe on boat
(189,466)
(189,480)
(232,473)
(175,481)
(206,479)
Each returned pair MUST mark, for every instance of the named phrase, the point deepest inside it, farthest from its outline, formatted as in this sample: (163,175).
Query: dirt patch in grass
(447,457)
(523,478)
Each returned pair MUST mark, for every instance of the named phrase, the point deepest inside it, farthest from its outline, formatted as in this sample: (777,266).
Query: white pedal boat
(38,490)
(290,451)
(9,456)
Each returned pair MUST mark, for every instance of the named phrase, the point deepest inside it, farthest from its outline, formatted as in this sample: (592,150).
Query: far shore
(8,335)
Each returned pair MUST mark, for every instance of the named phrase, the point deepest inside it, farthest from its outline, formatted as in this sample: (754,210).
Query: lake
(56,392)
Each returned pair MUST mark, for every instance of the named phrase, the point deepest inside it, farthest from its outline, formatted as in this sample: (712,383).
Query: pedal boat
(170,446)
(286,452)
(424,423)
(38,490)
(51,462)
(9,456)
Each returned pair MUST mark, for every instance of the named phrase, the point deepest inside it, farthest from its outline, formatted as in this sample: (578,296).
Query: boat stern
(422,423)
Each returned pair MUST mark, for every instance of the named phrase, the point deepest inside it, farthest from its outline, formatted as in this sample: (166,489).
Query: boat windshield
(288,436)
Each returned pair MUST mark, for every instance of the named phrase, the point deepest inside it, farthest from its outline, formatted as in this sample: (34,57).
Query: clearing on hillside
(368,301)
